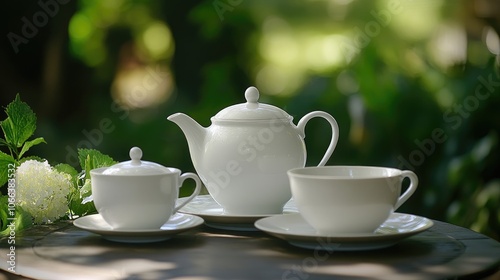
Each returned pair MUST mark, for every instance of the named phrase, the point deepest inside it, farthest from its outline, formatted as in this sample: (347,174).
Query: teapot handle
(335,131)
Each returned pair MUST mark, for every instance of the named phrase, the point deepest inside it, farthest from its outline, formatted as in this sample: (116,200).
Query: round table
(63,251)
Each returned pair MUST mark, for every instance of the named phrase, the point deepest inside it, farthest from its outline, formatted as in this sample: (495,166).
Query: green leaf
(79,202)
(71,171)
(86,189)
(90,159)
(66,168)
(7,163)
(75,199)
(37,158)
(81,209)
(3,212)
(28,144)
(87,166)
(20,123)
(22,219)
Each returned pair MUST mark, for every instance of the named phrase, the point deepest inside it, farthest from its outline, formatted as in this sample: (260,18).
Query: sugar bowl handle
(335,131)
(196,191)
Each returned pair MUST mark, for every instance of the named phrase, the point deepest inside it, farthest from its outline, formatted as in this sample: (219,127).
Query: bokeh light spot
(449,45)
(492,41)
(157,40)
(142,87)
(80,27)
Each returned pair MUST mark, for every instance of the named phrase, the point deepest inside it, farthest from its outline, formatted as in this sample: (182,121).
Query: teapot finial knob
(252,95)
(135,155)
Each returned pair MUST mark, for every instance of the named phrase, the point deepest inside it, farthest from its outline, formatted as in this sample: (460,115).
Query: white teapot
(243,157)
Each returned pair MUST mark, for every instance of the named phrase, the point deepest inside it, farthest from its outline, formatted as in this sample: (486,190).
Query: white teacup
(349,199)
(138,195)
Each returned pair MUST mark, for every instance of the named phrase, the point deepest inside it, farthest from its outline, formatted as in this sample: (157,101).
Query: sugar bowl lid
(136,166)
(252,110)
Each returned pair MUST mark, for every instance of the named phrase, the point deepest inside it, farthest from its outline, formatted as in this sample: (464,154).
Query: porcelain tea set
(252,161)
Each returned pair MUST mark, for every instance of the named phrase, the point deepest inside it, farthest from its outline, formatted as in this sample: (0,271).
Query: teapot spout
(194,132)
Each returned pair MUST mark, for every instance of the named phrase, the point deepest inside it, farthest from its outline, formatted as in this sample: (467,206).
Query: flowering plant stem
(17,128)
(38,192)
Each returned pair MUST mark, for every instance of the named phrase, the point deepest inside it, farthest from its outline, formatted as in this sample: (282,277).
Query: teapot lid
(136,166)
(252,110)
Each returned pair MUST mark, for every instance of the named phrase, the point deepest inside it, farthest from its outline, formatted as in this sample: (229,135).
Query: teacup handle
(196,191)
(410,190)
(335,131)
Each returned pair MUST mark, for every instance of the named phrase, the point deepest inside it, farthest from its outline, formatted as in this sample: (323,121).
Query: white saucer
(294,229)
(178,223)
(213,214)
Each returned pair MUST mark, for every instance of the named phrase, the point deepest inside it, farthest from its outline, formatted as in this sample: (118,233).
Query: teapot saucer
(178,223)
(214,216)
(296,231)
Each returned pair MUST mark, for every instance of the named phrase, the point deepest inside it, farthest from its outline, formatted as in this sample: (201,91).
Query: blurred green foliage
(412,84)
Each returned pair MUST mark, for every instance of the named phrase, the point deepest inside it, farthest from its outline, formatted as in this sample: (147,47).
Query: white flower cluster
(42,191)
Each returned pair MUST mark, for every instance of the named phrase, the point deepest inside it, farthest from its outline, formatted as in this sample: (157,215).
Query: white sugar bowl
(138,194)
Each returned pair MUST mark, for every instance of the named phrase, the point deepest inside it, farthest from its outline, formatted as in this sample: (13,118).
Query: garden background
(413,84)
